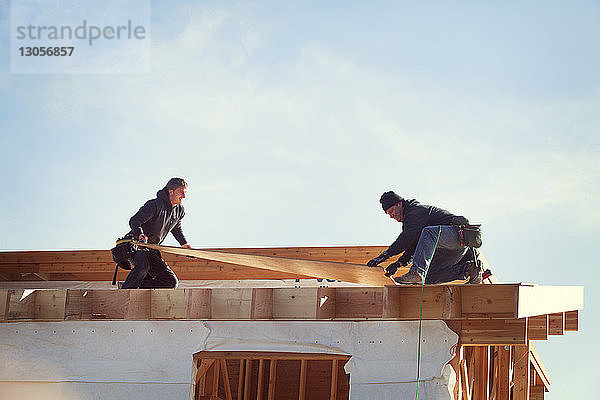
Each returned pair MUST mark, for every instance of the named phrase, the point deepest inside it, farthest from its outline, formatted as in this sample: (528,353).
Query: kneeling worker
(431,238)
(151,224)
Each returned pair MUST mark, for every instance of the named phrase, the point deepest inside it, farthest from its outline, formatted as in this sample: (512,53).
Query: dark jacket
(415,217)
(157,218)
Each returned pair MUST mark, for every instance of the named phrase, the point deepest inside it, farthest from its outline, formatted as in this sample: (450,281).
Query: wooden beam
(262,304)
(538,300)
(241,380)
(480,374)
(272,379)
(324,269)
(199,302)
(464,380)
(259,386)
(302,389)
(537,327)
(488,301)
(556,324)
(538,367)
(493,332)
(367,302)
(572,320)
(270,355)
(226,383)
(334,380)
(521,373)
(247,379)
(504,369)
(4,303)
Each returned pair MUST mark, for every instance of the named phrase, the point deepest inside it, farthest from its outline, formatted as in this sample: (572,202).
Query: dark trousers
(149,271)
(439,248)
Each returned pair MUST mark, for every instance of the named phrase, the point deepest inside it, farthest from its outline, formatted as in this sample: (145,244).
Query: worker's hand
(186,246)
(378,260)
(393,267)
(143,238)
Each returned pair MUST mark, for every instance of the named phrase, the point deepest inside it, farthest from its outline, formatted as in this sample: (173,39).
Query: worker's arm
(178,232)
(413,223)
(145,213)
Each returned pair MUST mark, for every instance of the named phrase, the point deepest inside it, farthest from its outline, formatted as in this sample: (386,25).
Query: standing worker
(433,239)
(151,224)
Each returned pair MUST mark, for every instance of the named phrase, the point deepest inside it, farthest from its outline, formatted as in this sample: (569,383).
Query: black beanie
(389,199)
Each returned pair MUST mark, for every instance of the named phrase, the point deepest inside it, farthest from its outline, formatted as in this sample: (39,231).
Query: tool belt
(470,235)
(123,252)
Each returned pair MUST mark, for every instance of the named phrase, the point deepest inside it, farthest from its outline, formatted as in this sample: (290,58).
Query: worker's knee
(171,282)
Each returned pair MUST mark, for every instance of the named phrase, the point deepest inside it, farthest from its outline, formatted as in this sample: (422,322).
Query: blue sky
(289,119)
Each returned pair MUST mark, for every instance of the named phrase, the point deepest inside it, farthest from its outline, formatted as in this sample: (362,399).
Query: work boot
(474,272)
(411,277)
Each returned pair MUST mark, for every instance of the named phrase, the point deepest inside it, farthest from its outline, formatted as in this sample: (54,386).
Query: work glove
(378,260)
(393,267)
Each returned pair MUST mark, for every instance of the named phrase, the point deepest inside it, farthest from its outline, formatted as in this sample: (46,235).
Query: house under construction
(268,323)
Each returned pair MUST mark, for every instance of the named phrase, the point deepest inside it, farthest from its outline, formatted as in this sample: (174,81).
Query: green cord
(421,314)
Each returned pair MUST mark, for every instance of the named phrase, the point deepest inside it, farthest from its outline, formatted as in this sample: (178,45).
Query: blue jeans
(442,259)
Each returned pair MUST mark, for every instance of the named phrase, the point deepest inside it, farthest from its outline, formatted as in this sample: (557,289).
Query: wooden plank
(109,304)
(295,303)
(494,332)
(241,380)
(212,379)
(262,304)
(21,304)
(199,302)
(503,377)
(489,300)
(50,304)
(334,381)
(259,387)
(247,379)
(169,303)
(231,303)
(346,254)
(326,304)
(391,302)
(537,327)
(480,373)
(437,302)
(538,300)
(302,390)
(464,379)
(270,355)
(319,269)
(362,303)
(521,373)
(139,305)
(226,383)
(572,320)
(78,304)
(556,324)
(4,303)
(272,379)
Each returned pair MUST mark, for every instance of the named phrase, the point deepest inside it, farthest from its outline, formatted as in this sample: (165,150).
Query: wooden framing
(223,374)
(500,373)
(500,304)
(97,265)
(496,324)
